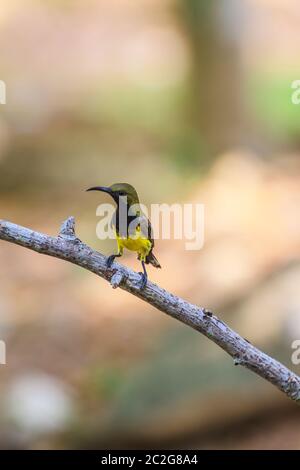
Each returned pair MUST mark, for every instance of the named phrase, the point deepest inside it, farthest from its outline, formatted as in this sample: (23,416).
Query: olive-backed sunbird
(132,228)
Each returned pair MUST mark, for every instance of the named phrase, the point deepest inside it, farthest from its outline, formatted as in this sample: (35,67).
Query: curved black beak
(104,189)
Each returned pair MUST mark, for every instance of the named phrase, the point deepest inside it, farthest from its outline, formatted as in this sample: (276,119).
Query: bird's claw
(110,261)
(144,280)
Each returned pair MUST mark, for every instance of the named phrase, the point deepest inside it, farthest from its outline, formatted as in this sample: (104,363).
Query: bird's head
(118,191)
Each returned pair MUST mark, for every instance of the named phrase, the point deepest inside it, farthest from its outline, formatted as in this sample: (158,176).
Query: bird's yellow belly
(141,245)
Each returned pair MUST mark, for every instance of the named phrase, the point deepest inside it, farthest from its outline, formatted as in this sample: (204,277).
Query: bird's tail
(152,260)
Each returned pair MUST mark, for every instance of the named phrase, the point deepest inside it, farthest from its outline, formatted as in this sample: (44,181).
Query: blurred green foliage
(270,97)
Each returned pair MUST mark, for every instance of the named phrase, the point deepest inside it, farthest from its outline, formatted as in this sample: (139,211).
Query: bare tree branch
(69,248)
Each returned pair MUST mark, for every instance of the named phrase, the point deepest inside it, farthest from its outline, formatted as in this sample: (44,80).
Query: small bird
(136,233)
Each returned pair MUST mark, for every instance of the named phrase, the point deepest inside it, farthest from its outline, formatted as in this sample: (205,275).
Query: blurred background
(189,101)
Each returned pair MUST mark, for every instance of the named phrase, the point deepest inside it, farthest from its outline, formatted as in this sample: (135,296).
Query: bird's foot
(110,261)
(144,280)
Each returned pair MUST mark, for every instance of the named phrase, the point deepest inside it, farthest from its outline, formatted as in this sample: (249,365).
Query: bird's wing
(146,228)
(135,222)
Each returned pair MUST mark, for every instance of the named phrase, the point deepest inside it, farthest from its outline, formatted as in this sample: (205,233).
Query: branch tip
(67,229)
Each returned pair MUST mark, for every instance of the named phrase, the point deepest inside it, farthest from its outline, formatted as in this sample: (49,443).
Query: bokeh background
(189,101)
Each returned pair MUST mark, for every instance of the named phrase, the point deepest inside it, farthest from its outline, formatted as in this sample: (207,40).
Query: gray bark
(68,247)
